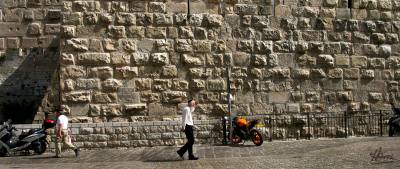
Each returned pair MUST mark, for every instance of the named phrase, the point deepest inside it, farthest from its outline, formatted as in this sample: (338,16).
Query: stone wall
(29,41)
(137,60)
(136,134)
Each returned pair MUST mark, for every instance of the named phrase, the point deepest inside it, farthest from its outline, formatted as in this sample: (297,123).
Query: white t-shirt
(187,116)
(63,120)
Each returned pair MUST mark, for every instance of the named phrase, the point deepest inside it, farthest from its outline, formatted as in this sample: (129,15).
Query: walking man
(62,134)
(187,127)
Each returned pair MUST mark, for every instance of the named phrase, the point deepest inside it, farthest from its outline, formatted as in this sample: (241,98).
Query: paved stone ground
(321,153)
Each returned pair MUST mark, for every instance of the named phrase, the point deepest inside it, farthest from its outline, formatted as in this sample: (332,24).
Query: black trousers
(190,141)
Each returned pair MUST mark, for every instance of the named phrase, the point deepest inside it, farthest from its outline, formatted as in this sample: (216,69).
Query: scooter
(394,122)
(243,130)
(34,139)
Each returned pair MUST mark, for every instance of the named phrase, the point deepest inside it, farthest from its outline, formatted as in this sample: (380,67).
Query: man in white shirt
(187,127)
(62,134)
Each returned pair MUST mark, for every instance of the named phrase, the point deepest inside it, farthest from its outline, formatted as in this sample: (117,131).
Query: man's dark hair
(190,101)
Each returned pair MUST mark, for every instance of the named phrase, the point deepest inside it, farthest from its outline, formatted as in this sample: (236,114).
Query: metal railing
(322,125)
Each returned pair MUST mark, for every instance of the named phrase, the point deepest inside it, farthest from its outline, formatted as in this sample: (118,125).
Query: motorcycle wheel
(40,148)
(235,138)
(256,137)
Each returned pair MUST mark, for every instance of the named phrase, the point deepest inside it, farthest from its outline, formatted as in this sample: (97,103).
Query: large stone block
(111,85)
(77,97)
(101,72)
(163,19)
(94,59)
(359,61)
(87,84)
(159,58)
(126,72)
(173,96)
(78,44)
(117,31)
(73,72)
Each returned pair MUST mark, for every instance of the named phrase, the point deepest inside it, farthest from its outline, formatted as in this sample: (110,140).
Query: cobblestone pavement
(321,153)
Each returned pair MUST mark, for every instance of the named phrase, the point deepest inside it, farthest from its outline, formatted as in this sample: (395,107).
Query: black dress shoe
(193,158)
(180,154)
(76,152)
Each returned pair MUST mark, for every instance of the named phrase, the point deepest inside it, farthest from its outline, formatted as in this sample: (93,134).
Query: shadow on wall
(25,80)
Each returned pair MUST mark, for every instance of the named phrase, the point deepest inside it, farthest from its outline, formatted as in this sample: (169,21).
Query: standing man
(62,134)
(187,127)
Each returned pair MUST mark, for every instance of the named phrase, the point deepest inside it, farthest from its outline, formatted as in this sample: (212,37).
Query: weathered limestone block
(180,85)
(140,58)
(159,58)
(293,107)
(90,18)
(306,60)
(117,31)
(367,74)
(331,3)
(378,38)
(173,96)
(359,37)
(317,74)
(203,46)
(196,19)
(216,85)
(336,73)
(125,19)
(112,110)
(212,20)
(324,24)
(67,59)
(163,19)
(245,9)
(78,44)
(359,61)
(263,47)
(126,72)
(344,96)
(68,85)
(161,84)
(87,84)
(99,97)
(105,18)
(342,60)
(288,23)
(135,32)
(312,96)
(300,73)
(272,34)
(326,60)
(369,4)
(144,19)
(69,18)
(301,47)
(169,71)
(157,7)
(369,49)
(191,61)
(110,44)
(183,45)
(197,84)
(34,29)
(377,63)
(303,23)
(332,48)
(68,31)
(73,72)
(94,110)
(101,72)
(351,73)
(120,59)
(259,22)
(373,96)
(143,84)
(393,86)
(385,4)
(385,50)
(278,73)
(94,59)
(128,45)
(111,85)
(259,60)
(77,97)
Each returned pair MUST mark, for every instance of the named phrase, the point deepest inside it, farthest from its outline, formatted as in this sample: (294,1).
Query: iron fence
(322,125)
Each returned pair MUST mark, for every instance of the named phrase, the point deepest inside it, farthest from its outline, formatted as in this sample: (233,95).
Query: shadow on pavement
(160,155)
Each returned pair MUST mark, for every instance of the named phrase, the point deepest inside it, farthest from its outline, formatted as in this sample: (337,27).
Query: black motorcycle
(34,139)
(243,130)
(394,122)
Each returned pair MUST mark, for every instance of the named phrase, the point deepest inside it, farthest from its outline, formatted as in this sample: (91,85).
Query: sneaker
(76,152)
(180,154)
(193,158)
